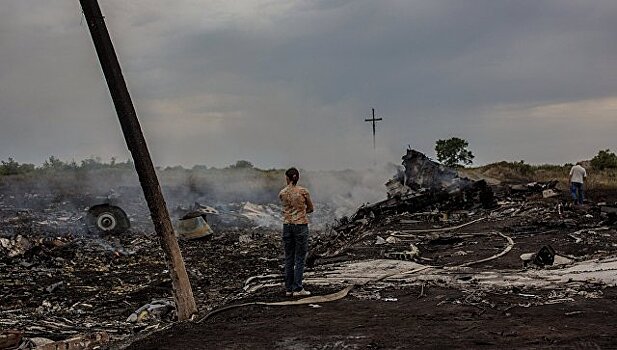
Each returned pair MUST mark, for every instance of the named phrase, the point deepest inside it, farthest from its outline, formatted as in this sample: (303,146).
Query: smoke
(69,192)
(346,190)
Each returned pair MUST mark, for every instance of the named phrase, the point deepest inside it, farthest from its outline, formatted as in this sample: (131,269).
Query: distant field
(519,172)
(345,189)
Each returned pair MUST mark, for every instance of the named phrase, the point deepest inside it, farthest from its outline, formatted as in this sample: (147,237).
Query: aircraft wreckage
(436,228)
(423,185)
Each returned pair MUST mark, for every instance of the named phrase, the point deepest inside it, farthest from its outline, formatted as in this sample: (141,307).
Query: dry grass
(516,172)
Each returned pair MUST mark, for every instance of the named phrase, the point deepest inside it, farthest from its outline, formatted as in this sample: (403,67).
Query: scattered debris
(154,309)
(435,228)
(545,256)
(17,246)
(193,228)
(84,342)
(263,215)
(392,240)
(200,210)
(107,218)
(423,185)
(10,339)
(546,189)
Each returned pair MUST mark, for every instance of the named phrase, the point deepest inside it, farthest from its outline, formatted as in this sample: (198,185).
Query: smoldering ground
(73,189)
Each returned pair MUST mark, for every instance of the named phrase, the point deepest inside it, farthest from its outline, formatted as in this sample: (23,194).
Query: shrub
(605,159)
(11,167)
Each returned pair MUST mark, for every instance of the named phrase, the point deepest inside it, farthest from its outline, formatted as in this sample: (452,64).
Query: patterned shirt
(296,204)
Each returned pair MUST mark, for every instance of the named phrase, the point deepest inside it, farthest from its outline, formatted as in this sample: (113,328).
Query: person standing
(297,204)
(577,178)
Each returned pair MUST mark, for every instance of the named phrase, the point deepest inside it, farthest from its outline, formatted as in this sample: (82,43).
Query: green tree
(92,163)
(453,151)
(243,164)
(11,167)
(605,159)
(54,163)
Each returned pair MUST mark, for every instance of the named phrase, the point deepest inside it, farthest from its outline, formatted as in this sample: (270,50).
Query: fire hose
(409,233)
(343,293)
(502,253)
(309,300)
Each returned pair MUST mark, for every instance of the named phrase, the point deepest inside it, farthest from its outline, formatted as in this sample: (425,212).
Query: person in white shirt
(577,178)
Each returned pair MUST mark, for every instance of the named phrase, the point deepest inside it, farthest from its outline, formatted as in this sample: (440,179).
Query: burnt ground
(66,284)
(433,321)
(433,315)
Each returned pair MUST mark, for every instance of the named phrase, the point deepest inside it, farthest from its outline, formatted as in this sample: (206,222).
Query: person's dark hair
(293,175)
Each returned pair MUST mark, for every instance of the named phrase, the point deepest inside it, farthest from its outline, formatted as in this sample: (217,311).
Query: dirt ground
(70,284)
(434,315)
(432,321)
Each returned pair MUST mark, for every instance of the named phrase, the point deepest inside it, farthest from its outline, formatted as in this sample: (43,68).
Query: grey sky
(290,82)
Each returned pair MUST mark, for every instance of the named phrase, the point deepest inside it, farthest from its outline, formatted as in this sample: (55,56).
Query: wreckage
(194,225)
(435,228)
(108,216)
(425,193)
(423,185)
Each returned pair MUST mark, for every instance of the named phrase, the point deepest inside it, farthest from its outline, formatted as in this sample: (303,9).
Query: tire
(107,218)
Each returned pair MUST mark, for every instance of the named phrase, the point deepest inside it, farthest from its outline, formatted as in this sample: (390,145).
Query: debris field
(443,261)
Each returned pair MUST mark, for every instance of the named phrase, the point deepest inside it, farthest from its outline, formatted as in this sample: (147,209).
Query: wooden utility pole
(373,120)
(183,295)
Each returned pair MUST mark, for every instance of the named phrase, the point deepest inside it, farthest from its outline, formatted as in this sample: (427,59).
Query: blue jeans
(576,188)
(295,241)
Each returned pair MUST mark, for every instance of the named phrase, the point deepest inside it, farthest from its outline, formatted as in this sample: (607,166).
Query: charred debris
(64,280)
(434,197)
(423,185)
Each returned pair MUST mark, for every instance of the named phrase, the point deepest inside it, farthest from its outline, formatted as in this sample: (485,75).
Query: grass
(521,172)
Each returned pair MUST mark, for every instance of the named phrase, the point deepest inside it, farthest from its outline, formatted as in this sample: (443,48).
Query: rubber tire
(95,212)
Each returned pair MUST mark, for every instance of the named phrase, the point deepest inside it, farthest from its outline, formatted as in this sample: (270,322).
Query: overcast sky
(291,82)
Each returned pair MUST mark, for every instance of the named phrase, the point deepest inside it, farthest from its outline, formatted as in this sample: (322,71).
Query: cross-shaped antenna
(373,120)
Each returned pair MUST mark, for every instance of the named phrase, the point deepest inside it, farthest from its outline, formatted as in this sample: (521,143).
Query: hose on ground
(309,300)
(410,233)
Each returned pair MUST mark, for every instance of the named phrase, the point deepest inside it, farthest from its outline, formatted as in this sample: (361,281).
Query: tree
(11,167)
(605,159)
(92,163)
(54,163)
(242,164)
(453,151)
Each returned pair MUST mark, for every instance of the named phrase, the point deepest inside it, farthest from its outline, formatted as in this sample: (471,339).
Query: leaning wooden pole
(183,295)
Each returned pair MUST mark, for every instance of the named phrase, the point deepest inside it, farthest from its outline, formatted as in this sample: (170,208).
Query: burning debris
(426,196)
(423,186)
(435,229)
